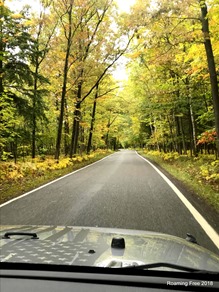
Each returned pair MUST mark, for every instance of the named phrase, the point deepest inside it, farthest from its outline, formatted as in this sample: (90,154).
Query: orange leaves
(207,137)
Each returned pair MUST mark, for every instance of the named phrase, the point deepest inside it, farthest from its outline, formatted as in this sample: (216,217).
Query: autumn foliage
(58,90)
(207,137)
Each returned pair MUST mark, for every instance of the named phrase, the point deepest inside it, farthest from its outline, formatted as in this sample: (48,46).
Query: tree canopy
(58,93)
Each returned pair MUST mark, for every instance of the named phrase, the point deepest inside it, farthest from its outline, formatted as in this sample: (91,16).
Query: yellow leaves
(209,172)
(196,58)
(134,55)
(213,177)
(79,159)
(16,16)
(28,22)
(35,168)
(14,175)
(11,171)
(215,163)
(169,156)
(204,171)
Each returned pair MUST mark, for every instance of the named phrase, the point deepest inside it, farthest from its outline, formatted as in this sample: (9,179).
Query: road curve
(120,191)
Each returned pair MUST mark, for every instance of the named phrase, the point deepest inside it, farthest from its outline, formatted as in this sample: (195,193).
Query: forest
(59,95)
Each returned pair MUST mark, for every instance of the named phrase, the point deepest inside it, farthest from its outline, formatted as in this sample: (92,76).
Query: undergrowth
(200,174)
(16,179)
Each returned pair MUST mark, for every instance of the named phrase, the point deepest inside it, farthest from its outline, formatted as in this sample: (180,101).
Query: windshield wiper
(168,265)
(9,234)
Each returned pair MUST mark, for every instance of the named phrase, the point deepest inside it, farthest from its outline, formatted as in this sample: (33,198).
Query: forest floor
(27,174)
(200,175)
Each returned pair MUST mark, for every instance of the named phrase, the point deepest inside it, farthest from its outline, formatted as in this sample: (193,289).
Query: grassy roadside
(198,174)
(17,179)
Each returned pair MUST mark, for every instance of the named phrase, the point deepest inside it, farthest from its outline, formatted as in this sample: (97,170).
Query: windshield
(109,122)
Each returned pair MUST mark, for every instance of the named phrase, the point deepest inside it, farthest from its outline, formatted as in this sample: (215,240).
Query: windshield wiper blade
(168,265)
(9,234)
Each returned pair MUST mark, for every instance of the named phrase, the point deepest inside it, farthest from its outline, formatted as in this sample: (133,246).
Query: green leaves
(169,74)
(53,60)
(7,119)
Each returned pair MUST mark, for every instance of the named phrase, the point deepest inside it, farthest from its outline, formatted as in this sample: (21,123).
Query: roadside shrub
(40,166)
(210,171)
(203,167)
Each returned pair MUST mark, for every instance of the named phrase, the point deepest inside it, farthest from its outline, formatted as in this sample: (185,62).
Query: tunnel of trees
(59,94)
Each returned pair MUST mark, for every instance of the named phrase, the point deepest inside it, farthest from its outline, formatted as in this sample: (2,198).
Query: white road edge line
(51,182)
(212,234)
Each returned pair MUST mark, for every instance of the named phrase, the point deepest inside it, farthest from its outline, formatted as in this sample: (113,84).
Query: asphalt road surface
(120,191)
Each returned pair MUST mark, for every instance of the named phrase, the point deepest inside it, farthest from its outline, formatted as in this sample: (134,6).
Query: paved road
(121,191)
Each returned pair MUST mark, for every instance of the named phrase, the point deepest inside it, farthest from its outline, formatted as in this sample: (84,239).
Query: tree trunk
(211,66)
(34,134)
(34,123)
(182,135)
(61,115)
(172,135)
(92,122)
(82,139)
(64,85)
(192,120)
(178,135)
(66,128)
(76,124)
(107,134)
(75,128)
(15,149)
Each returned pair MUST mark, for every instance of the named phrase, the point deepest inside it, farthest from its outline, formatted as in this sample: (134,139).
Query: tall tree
(16,76)
(169,37)
(99,51)
(211,66)
(44,28)
(69,30)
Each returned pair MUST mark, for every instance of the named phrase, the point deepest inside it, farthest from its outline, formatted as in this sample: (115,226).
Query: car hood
(103,247)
